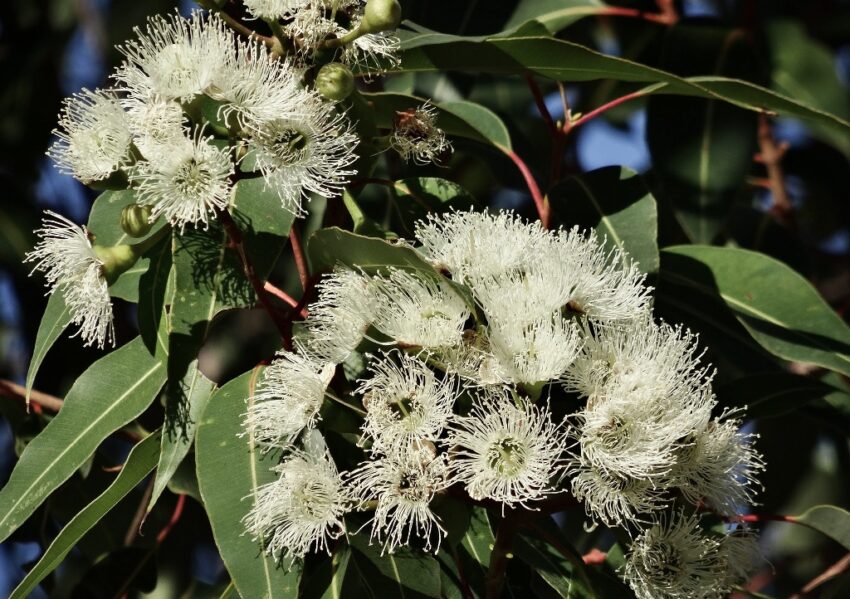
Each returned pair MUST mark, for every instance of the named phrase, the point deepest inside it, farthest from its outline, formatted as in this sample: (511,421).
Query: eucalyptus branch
(15,391)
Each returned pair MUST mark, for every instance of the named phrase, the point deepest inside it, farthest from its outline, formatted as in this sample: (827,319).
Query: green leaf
(478,540)
(230,470)
(779,308)
(804,68)
(615,201)
(702,149)
(264,222)
(463,119)
(772,394)
(179,427)
(54,321)
(555,14)
(568,61)
(832,521)
(105,218)
(564,573)
(332,246)
(109,394)
(417,197)
(138,465)
(327,581)
(153,297)
(405,573)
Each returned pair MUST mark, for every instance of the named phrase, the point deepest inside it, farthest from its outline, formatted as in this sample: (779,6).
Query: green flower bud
(115,260)
(135,220)
(380,15)
(335,81)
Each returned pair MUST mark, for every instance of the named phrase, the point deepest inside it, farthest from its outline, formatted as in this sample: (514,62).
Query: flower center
(507,456)
(192,177)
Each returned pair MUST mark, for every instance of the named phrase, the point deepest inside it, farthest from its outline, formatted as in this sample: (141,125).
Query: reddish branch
(570,125)
(665,18)
(175,518)
(15,391)
(540,202)
(541,106)
(282,295)
(594,557)
(833,571)
(298,253)
(236,241)
(771,155)
(751,518)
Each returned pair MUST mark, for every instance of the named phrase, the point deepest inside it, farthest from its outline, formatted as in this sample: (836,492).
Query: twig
(665,18)
(540,202)
(570,125)
(282,295)
(234,24)
(495,578)
(594,557)
(771,155)
(541,105)
(752,518)
(834,570)
(235,236)
(139,516)
(10,389)
(175,518)
(668,11)
(298,254)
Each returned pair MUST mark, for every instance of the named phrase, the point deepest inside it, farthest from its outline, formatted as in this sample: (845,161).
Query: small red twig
(282,295)
(541,105)
(540,202)
(570,125)
(834,570)
(40,399)
(771,154)
(761,518)
(665,18)
(235,236)
(175,518)
(298,253)
(594,557)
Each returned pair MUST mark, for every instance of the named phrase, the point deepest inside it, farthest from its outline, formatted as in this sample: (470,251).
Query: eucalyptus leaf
(110,393)
(138,465)
(230,469)
(54,321)
(777,306)
(832,521)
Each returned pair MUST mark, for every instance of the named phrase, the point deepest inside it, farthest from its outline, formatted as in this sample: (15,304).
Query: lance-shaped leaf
(832,521)
(54,321)
(773,394)
(614,201)
(556,14)
(138,465)
(332,246)
(109,394)
(230,470)
(404,573)
(179,427)
(568,61)
(777,306)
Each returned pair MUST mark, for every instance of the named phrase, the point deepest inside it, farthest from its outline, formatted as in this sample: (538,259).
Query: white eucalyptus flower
(405,401)
(615,500)
(288,398)
(403,483)
(188,183)
(273,9)
(741,555)
(419,311)
(719,467)
(308,153)
(256,88)
(66,257)
(175,58)
(340,316)
(674,559)
(156,125)
(533,352)
(303,510)
(417,138)
(479,246)
(507,451)
(94,137)
(607,286)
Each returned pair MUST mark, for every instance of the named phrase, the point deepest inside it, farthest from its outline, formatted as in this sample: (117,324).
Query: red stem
(539,201)
(282,295)
(663,19)
(541,105)
(761,518)
(235,236)
(569,126)
(175,518)
(298,253)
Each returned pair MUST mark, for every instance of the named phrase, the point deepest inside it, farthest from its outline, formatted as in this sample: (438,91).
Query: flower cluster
(464,363)
(193,107)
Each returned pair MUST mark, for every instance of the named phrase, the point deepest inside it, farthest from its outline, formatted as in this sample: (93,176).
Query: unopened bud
(135,220)
(380,15)
(115,260)
(335,81)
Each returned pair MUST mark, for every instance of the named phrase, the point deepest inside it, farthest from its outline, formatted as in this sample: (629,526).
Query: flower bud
(335,81)
(135,220)
(115,260)
(380,15)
